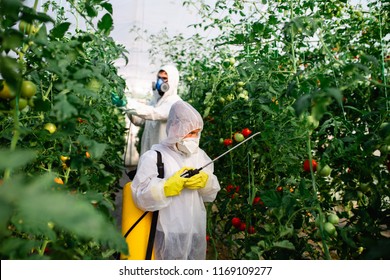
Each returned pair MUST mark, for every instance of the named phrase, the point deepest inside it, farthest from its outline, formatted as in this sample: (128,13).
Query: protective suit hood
(173,82)
(182,119)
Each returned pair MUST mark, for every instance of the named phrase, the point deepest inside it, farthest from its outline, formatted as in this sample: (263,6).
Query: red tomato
(229,188)
(257,200)
(251,230)
(306,165)
(236,222)
(227,142)
(207,238)
(246,132)
(279,189)
(242,226)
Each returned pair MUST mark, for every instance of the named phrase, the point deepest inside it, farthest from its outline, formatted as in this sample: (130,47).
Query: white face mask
(188,145)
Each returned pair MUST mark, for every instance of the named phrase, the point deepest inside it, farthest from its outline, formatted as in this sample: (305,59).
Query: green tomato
(51,127)
(5,92)
(330,228)
(28,89)
(30,102)
(240,89)
(230,97)
(27,28)
(333,219)
(226,62)
(325,171)
(385,149)
(21,104)
(238,137)
(242,95)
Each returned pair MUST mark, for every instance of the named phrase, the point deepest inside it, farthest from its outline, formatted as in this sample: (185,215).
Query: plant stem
(294,62)
(313,180)
(15,138)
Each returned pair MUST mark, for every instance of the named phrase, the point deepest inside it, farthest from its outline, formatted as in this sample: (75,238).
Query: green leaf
(335,93)
(5,214)
(17,248)
(63,109)
(10,8)
(302,104)
(41,36)
(9,69)
(12,40)
(286,231)
(107,6)
(285,244)
(273,20)
(267,109)
(39,204)
(96,149)
(91,11)
(258,27)
(16,158)
(82,74)
(106,23)
(60,30)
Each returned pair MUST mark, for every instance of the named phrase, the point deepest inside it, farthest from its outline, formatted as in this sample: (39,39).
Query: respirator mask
(188,145)
(161,86)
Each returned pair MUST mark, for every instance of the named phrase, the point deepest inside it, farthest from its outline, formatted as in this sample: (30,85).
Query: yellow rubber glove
(197,181)
(175,184)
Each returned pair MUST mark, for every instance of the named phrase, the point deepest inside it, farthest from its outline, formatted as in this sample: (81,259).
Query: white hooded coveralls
(155,115)
(181,227)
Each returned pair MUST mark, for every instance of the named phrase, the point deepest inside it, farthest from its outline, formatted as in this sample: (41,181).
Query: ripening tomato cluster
(238,136)
(232,190)
(241,226)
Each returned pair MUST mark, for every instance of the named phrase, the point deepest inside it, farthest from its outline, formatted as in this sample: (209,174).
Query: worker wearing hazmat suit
(155,115)
(181,226)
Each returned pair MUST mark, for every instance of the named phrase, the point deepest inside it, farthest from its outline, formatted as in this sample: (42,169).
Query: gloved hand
(198,181)
(116,100)
(175,184)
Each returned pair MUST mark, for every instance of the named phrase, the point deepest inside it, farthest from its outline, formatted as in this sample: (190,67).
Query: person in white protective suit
(155,115)
(181,226)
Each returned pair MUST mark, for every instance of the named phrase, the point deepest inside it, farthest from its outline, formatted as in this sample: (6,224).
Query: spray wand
(192,172)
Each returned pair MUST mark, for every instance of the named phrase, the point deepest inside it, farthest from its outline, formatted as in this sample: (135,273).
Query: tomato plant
(60,172)
(326,101)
